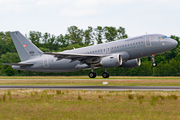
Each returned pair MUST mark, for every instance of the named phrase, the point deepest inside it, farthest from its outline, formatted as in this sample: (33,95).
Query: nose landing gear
(153,61)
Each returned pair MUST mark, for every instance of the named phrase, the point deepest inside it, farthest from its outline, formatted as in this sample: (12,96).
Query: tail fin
(25,48)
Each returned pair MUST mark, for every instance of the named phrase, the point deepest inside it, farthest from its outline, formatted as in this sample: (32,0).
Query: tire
(92,74)
(154,64)
(105,75)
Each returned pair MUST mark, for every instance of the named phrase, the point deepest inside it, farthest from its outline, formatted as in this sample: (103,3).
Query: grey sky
(54,16)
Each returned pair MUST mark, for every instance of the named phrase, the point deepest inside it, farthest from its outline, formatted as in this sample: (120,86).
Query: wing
(84,58)
(19,64)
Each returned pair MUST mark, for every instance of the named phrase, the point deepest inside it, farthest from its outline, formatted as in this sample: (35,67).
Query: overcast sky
(138,17)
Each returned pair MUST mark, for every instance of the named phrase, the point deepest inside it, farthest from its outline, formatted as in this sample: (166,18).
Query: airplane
(124,53)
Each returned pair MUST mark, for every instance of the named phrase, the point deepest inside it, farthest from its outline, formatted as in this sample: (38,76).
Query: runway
(108,88)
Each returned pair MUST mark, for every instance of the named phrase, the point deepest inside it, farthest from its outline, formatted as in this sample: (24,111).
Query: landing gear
(153,61)
(92,74)
(105,74)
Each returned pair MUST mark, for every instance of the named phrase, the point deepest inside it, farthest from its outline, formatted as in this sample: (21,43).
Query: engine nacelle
(114,60)
(132,63)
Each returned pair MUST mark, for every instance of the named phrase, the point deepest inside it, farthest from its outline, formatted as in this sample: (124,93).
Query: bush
(9,71)
(79,97)
(140,97)
(4,97)
(58,92)
(130,96)
(175,97)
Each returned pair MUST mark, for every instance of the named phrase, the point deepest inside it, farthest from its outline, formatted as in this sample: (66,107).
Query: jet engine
(114,60)
(132,63)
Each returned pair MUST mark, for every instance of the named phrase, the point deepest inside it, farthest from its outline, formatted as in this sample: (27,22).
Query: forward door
(148,41)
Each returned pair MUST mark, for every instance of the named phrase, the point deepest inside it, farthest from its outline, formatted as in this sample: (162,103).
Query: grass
(85,77)
(80,104)
(112,81)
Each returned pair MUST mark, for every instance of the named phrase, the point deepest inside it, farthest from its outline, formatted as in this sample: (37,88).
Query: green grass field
(81,80)
(72,104)
(79,104)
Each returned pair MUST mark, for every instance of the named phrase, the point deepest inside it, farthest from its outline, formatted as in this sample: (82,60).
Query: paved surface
(115,88)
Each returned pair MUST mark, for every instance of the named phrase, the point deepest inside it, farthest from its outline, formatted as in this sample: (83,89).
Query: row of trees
(76,37)
(168,62)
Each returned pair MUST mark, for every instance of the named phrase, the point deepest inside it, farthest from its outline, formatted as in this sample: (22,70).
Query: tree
(159,59)
(9,71)
(6,43)
(98,34)
(62,41)
(110,33)
(51,41)
(121,34)
(45,39)
(35,37)
(88,36)
(75,35)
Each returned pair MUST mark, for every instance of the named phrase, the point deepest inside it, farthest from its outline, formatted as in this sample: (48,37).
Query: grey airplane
(124,53)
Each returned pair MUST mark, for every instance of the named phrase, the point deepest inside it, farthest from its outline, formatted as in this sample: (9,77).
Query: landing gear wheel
(154,64)
(105,75)
(92,74)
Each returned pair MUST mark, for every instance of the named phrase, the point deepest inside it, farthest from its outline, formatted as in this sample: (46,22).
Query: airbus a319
(124,53)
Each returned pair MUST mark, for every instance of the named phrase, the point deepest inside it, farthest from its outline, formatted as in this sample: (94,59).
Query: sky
(138,17)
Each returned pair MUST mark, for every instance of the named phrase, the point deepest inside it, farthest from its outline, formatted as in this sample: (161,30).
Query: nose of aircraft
(173,43)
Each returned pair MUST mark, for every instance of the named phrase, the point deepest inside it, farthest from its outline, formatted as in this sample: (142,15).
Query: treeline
(76,38)
(168,62)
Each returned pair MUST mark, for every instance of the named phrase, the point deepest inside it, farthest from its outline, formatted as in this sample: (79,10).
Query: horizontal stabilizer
(19,64)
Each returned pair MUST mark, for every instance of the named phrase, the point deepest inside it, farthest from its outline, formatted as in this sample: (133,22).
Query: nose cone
(173,43)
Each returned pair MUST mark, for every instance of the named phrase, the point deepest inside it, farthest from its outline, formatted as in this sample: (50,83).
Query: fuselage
(136,47)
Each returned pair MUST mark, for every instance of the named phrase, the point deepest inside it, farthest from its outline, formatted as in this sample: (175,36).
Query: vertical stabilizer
(25,48)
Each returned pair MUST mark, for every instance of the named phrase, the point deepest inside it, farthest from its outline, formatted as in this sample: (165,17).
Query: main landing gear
(105,74)
(92,74)
(153,61)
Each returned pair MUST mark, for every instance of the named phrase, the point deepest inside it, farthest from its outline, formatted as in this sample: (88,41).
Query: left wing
(19,64)
(89,58)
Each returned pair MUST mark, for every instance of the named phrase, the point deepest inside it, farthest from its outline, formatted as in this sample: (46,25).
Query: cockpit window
(163,37)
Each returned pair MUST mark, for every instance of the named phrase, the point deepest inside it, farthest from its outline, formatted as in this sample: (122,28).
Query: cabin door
(148,41)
